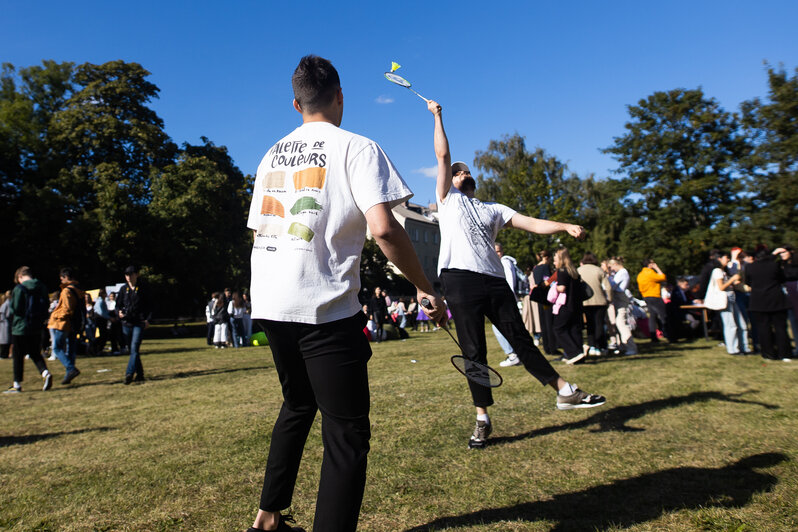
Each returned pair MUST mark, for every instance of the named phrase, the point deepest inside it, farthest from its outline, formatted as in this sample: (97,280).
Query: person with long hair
(622,300)
(595,307)
(236,310)
(735,333)
(568,316)
(540,274)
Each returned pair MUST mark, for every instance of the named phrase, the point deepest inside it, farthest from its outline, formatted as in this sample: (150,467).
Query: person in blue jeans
(133,306)
(64,323)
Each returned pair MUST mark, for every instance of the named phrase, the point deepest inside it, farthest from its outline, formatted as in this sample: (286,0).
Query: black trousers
(474,296)
(29,344)
(568,327)
(321,367)
(547,329)
(595,316)
(772,330)
(656,312)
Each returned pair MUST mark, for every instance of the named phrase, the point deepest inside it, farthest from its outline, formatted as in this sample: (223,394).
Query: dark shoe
(71,375)
(281,526)
(480,436)
(48,382)
(579,399)
(139,378)
(14,389)
(128,378)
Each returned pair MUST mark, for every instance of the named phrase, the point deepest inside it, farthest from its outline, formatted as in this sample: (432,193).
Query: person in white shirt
(473,279)
(316,192)
(508,263)
(622,300)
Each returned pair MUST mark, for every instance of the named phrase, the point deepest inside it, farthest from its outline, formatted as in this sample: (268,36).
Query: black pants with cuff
(595,316)
(474,296)
(321,367)
(657,316)
(29,344)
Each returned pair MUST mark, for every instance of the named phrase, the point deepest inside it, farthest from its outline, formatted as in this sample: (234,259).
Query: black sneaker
(480,436)
(14,389)
(71,375)
(128,378)
(48,382)
(281,526)
(579,399)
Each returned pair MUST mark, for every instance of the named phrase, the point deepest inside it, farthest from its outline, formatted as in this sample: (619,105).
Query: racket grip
(425,303)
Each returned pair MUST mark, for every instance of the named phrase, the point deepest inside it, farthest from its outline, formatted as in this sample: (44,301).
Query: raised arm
(544,227)
(444,158)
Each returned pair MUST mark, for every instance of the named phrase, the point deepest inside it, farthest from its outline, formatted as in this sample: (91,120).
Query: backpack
(77,321)
(37,308)
(521,282)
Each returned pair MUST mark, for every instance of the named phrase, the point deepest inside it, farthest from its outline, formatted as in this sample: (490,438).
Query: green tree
(772,126)
(198,240)
(533,183)
(680,155)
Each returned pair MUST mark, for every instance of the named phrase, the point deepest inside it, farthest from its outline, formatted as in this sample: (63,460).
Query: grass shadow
(204,372)
(627,502)
(616,419)
(6,441)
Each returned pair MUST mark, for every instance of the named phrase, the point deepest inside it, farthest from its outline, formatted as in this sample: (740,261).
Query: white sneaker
(511,360)
(594,352)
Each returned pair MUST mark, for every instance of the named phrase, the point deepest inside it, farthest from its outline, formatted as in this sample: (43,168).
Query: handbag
(716,298)
(587,291)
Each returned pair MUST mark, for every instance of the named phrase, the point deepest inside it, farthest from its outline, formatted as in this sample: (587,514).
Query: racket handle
(425,303)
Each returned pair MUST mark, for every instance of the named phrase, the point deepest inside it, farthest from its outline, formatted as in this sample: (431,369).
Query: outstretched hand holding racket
(477,372)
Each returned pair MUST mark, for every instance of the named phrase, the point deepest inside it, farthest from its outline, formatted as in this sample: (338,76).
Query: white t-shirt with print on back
(310,195)
(468,233)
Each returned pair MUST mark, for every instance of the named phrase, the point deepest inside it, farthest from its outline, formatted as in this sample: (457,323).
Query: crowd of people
(229,318)
(33,323)
(752,296)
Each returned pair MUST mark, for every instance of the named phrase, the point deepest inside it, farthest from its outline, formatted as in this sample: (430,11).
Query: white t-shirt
(310,195)
(468,233)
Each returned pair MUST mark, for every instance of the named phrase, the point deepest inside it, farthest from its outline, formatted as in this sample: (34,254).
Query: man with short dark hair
(133,306)
(316,192)
(29,302)
(473,280)
(65,323)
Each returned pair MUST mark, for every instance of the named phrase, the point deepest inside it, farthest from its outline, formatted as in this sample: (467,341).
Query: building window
(426,236)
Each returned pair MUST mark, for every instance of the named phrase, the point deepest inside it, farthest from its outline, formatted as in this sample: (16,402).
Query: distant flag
(395,66)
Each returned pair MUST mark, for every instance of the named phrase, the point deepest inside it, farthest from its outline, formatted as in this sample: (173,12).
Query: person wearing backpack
(29,302)
(133,306)
(67,321)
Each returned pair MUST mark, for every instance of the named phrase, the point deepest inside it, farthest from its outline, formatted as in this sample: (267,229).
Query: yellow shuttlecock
(395,66)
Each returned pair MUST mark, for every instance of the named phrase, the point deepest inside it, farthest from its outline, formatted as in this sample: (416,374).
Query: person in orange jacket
(649,280)
(66,323)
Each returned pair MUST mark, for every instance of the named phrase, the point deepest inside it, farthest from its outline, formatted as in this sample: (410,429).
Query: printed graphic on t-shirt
(475,222)
(274,180)
(305,197)
(271,205)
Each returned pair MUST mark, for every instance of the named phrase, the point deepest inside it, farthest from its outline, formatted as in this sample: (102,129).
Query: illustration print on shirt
(476,224)
(293,212)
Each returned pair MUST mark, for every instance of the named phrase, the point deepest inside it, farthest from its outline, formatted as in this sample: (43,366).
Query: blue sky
(559,73)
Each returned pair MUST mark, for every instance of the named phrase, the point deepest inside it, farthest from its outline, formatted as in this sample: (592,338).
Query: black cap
(131,269)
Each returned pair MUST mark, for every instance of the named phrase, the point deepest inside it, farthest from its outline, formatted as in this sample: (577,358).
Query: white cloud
(431,171)
(384,99)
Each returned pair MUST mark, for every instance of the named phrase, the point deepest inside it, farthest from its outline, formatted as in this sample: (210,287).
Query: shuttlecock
(395,66)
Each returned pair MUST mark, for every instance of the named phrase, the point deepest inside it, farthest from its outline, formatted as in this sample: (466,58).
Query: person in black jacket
(769,304)
(133,307)
(378,312)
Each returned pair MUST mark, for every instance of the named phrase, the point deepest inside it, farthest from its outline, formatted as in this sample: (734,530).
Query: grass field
(690,439)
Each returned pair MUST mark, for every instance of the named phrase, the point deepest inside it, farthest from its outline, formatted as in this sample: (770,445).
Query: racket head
(395,78)
(477,372)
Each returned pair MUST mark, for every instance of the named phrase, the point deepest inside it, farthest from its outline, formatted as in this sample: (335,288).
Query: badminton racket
(476,372)
(402,82)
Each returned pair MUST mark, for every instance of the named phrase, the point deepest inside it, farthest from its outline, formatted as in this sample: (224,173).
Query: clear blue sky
(559,73)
